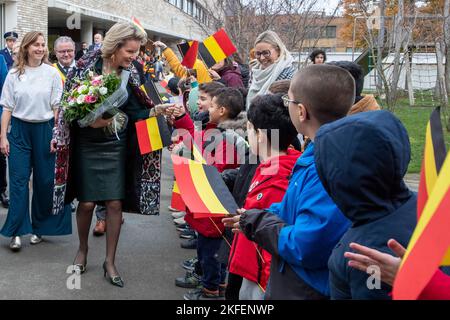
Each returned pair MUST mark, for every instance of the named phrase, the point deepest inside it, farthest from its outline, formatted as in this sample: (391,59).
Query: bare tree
(296,21)
(447,42)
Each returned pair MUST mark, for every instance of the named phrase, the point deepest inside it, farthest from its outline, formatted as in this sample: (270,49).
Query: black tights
(113,226)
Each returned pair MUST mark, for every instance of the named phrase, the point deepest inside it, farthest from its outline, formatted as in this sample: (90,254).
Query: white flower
(91,74)
(103,91)
(80,99)
(82,89)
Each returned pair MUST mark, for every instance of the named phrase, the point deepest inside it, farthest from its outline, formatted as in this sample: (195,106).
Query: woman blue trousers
(30,153)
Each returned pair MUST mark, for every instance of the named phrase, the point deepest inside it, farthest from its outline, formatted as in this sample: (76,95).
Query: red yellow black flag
(202,189)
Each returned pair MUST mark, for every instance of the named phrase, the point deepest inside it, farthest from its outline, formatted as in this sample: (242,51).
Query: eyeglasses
(265,54)
(65,51)
(287,101)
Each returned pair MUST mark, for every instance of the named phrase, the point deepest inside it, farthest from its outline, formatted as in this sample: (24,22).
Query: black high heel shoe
(116,280)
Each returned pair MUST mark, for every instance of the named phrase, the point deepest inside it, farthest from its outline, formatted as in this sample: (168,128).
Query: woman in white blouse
(30,98)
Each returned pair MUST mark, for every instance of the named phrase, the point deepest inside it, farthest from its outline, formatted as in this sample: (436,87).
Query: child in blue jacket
(302,230)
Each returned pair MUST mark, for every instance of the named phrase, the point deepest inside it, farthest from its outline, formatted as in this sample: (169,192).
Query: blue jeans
(214,272)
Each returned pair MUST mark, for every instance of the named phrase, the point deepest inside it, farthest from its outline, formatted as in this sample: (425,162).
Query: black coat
(361,161)
(8,58)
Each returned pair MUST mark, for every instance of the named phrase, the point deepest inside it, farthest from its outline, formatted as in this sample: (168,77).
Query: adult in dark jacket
(228,73)
(245,69)
(7,53)
(361,161)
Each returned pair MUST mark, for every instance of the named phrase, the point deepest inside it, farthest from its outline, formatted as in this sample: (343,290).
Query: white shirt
(34,95)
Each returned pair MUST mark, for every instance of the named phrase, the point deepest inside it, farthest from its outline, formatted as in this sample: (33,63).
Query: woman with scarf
(106,168)
(274,63)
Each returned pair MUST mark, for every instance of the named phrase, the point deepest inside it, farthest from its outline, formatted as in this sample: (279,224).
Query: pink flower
(96,83)
(90,99)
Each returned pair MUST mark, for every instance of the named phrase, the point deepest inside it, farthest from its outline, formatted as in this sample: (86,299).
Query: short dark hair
(267,112)
(280,86)
(315,53)
(355,70)
(210,88)
(232,100)
(327,92)
(173,86)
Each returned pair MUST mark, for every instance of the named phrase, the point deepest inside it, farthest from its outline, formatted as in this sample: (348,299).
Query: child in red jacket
(222,147)
(270,132)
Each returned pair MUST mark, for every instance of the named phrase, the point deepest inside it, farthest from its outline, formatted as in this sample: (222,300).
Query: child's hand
(177,111)
(233,222)
(163,109)
(214,75)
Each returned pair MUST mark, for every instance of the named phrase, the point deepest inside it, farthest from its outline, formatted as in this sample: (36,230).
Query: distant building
(166,20)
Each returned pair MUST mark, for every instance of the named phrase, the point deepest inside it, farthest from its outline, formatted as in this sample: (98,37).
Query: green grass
(415,120)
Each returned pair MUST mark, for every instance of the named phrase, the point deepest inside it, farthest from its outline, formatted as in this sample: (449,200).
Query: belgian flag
(202,189)
(153,134)
(152,92)
(216,48)
(212,50)
(429,246)
(190,56)
(137,24)
(433,160)
(177,201)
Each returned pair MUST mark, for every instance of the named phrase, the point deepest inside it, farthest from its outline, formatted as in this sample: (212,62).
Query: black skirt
(99,165)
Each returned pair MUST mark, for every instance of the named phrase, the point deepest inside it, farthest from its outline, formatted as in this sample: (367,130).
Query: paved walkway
(148,258)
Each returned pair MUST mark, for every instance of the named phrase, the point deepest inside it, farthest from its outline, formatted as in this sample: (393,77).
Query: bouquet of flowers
(97,96)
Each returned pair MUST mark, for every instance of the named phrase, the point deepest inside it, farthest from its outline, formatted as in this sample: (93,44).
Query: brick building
(166,20)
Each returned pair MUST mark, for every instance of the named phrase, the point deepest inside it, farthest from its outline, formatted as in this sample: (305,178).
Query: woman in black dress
(102,165)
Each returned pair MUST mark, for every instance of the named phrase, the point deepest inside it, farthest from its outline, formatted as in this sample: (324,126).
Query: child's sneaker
(179,221)
(190,244)
(178,214)
(202,294)
(222,290)
(188,234)
(191,280)
(189,265)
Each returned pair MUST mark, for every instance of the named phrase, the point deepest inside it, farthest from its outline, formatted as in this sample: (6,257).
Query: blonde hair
(273,39)
(118,35)
(27,41)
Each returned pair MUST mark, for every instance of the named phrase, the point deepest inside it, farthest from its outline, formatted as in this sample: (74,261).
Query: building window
(330,32)
(192,8)
(312,33)
(195,10)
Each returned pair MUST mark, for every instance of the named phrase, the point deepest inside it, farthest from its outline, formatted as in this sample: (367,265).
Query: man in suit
(65,54)
(83,51)
(98,40)
(10,38)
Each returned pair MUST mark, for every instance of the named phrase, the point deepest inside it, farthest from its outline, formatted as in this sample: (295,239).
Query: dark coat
(231,77)
(245,73)
(142,172)
(361,161)
(8,58)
